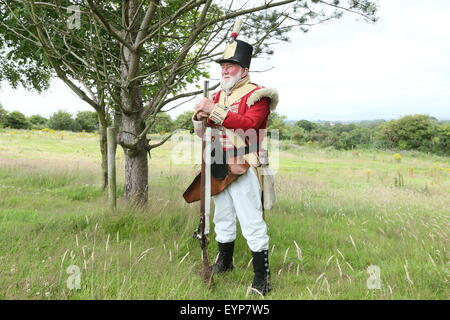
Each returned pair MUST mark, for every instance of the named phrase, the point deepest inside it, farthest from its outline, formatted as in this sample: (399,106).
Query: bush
(413,132)
(441,143)
(299,136)
(17,120)
(61,120)
(37,122)
(86,120)
(163,123)
(3,114)
(277,122)
(306,125)
(356,137)
(183,121)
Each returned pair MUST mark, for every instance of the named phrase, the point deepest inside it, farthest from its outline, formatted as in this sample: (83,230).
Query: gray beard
(227,86)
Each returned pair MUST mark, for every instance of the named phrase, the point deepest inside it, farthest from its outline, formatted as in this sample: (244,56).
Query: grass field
(338,212)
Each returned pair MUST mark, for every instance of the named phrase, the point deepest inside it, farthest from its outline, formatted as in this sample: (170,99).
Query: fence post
(111,136)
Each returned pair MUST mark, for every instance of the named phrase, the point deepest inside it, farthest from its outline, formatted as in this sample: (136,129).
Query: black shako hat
(239,52)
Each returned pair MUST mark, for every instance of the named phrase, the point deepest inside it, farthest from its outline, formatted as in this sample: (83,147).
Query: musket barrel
(205,198)
(203,168)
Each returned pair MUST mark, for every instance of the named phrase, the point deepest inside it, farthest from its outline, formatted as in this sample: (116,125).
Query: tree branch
(189,5)
(188,94)
(152,146)
(145,22)
(110,28)
(46,47)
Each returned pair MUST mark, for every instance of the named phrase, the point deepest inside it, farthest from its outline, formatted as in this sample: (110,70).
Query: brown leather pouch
(193,192)
(237,165)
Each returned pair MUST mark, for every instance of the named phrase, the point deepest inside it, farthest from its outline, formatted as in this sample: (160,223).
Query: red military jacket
(247,107)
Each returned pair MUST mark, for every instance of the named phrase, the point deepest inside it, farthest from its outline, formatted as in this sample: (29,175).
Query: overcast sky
(342,70)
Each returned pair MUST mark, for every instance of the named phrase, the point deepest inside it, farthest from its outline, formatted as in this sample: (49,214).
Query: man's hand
(201,115)
(204,108)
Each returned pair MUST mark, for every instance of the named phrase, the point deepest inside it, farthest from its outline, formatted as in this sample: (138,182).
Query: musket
(205,181)
(205,201)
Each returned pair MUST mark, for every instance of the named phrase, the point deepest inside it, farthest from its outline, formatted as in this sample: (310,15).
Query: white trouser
(242,198)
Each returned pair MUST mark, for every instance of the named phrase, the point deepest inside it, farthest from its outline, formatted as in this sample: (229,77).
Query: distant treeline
(413,132)
(86,121)
(61,120)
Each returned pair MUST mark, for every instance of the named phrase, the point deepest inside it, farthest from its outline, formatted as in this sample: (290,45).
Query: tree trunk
(102,125)
(136,165)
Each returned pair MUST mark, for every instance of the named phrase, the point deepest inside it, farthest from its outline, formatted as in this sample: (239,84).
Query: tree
(37,122)
(184,121)
(140,55)
(442,145)
(16,120)
(358,137)
(350,139)
(340,128)
(21,61)
(87,121)
(163,124)
(3,114)
(277,122)
(61,120)
(412,132)
(299,135)
(24,62)
(306,125)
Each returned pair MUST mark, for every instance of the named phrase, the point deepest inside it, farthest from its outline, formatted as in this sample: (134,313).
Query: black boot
(225,261)
(261,280)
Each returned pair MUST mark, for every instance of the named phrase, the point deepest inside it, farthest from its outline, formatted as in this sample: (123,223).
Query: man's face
(230,70)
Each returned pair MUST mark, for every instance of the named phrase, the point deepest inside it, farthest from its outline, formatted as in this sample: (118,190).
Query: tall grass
(329,225)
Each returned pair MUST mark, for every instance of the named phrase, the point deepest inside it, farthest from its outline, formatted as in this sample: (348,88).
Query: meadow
(339,214)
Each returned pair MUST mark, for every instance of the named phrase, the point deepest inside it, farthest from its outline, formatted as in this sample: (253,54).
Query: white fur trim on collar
(270,93)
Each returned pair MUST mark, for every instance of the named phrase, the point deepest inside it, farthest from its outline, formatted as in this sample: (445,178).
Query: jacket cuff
(219,113)
(198,124)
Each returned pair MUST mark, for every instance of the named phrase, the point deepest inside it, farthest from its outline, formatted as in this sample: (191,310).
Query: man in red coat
(245,106)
